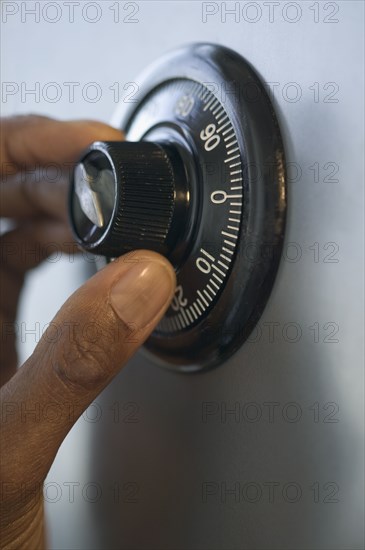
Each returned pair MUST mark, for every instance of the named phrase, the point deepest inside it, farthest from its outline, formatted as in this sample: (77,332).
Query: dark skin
(68,369)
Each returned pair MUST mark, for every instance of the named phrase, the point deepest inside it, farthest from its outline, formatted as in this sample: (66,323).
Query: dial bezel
(247,288)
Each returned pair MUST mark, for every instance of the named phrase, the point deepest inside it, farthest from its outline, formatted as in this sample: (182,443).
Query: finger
(8,352)
(33,139)
(30,142)
(11,284)
(26,246)
(22,249)
(25,197)
(90,339)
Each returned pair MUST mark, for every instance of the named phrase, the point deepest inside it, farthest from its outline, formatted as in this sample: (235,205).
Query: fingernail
(142,292)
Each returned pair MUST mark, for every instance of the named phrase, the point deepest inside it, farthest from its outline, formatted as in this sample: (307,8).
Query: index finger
(29,142)
(36,140)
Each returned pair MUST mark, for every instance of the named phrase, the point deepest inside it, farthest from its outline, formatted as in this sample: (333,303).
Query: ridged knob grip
(122,197)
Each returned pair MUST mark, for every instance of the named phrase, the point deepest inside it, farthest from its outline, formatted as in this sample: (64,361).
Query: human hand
(129,296)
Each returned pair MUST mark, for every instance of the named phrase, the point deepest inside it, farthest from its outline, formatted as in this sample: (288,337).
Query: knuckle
(83,365)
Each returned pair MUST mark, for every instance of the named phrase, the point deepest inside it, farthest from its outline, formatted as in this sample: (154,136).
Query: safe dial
(200,179)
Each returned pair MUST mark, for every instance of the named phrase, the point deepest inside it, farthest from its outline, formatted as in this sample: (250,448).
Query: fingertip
(34,139)
(95,130)
(124,262)
(141,294)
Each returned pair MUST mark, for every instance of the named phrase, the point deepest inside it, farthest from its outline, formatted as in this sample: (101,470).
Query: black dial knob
(124,198)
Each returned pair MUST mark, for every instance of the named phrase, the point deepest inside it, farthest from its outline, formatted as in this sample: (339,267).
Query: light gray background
(170,452)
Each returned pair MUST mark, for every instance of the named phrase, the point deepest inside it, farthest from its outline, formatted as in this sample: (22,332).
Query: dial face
(207,103)
(189,109)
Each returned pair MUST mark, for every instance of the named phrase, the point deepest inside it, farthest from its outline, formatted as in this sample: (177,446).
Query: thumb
(92,336)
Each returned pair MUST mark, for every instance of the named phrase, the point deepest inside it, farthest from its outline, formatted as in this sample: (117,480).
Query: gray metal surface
(285,470)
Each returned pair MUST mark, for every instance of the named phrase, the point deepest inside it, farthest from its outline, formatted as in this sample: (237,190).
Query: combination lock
(200,179)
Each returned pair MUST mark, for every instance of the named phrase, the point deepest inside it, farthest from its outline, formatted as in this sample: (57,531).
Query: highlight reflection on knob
(123,198)
(95,193)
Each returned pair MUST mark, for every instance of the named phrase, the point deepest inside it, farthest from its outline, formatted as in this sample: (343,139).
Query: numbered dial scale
(201,179)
